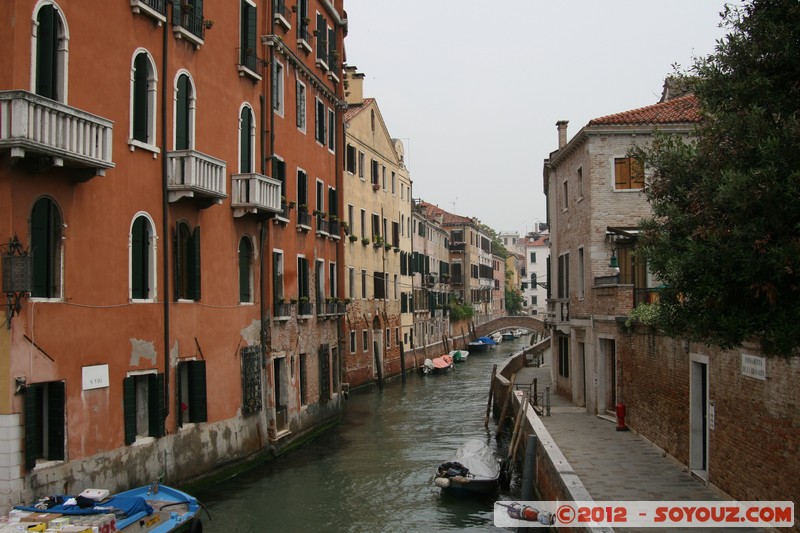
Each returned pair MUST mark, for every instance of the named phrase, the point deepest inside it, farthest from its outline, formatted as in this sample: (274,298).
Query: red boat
(440,364)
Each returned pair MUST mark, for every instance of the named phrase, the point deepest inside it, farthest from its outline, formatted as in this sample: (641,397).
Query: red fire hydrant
(621,417)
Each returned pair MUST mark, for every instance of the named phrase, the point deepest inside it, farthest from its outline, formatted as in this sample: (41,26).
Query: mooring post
(489,402)
(403,362)
(547,400)
(509,392)
(535,391)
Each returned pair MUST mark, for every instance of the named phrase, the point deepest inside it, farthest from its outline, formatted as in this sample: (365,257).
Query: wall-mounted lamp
(17,276)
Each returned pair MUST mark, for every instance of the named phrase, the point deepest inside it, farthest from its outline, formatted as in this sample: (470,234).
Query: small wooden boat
(152,508)
(473,468)
(478,346)
(509,336)
(459,356)
(497,338)
(437,365)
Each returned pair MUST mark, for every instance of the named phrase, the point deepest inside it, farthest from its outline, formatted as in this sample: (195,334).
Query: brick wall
(754,448)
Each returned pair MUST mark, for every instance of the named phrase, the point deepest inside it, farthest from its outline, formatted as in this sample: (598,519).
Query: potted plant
(291,205)
(387,246)
(353,238)
(365,241)
(346,228)
(208,24)
(306,21)
(375,187)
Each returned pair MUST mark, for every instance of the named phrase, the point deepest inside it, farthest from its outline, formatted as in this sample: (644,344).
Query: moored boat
(152,508)
(477,346)
(459,356)
(473,468)
(509,335)
(437,365)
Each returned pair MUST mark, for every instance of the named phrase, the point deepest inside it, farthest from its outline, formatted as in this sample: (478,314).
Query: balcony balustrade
(33,125)
(457,246)
(303,219)
(196,175)
(255,193)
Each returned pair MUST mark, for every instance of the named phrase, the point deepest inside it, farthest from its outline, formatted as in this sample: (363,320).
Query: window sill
(43,464)
(182,33)
(303,227)
(322,64)
(142,441)
(44,300)
(280,220)
(283,22)
(244,71)
(281,318)
(138,6)
(133,144)
(143,300)
(303,45)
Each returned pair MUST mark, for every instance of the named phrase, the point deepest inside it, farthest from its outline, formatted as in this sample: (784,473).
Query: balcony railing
(154,8)
(559,309)
(607,280)
(193,174)
(255,193)
(30,123)
(283,310)
(334,228)
(457,246)
(281,13)
(303,218)
(188,24)
(305,309)
(322,225)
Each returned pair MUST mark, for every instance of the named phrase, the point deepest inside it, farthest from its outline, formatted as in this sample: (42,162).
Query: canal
(374,472)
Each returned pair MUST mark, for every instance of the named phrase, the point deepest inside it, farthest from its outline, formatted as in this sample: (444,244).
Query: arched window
(144,83)
(50,51)
(46,249)
(143,259)
(245,271)
(187,262)
(246,140)
(184,113)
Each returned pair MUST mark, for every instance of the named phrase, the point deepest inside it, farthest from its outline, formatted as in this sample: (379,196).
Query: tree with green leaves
(724,237)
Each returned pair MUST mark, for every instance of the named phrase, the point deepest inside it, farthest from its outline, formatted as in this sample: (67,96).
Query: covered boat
(459,356)
(152,508)
(473,468)
(437,365)
(478,346)
(509,335)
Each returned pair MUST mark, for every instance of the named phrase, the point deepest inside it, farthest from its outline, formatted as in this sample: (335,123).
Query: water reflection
(375,471)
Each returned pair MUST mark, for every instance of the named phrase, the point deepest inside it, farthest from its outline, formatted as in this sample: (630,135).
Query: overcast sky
(474,89)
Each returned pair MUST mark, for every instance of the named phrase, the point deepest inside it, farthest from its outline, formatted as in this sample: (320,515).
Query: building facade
(693,401)
(377,191)
(153,248)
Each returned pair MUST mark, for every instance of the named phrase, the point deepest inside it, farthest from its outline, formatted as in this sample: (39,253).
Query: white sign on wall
(711,416)
(95,377)
(754,366)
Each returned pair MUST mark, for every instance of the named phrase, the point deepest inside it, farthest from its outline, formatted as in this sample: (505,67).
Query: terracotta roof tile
(674,111)
(355,109)
(447,218)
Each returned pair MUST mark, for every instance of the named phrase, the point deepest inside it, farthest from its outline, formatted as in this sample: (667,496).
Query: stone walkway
(615,465)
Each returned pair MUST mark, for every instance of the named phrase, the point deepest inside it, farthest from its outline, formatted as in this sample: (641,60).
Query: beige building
(377,218)
(430,268)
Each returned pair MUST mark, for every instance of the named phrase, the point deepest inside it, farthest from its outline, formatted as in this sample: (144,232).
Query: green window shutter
(182,114)
(277,278)
(322,32)
(196,264)
(32,415)
(40,247)
(197,392)
(139,259)
(177,256)
(155,404)
(176,12)
(140,98)
(129,409)
(245,256)
(55,420)
(46,52)
(245,147)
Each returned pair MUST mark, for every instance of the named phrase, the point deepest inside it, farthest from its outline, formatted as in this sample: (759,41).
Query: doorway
(607,395)
(698,418)
(281,394)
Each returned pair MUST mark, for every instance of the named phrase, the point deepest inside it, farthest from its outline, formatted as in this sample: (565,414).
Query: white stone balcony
(255,193)
(32,126)
(192,174)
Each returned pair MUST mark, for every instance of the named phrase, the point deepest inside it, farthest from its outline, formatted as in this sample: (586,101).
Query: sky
(474,89)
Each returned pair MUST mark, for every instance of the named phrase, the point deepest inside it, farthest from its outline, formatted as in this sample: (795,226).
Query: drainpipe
(264,337)
(165,216)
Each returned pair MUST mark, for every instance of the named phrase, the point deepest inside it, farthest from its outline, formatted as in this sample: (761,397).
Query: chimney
(562,133)
(354,88)
(675,87)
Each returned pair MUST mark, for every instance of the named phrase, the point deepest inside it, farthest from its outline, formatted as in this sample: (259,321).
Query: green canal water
(374,472)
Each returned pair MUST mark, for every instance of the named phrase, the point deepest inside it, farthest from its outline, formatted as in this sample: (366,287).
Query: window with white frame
(143,259)
(300,101)
(247,140)
(277,87)
(144,83)
(51,53)
(185,107)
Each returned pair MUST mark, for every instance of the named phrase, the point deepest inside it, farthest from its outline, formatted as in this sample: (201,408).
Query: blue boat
(152,508)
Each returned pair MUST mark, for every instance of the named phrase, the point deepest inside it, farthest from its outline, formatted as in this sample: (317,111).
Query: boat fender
(442,482)
(196,527)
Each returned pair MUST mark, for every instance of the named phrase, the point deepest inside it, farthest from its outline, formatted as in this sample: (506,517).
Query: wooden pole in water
(519,428)
(403,362)
(489,402)
(517,420)
(508,400)
(462,337)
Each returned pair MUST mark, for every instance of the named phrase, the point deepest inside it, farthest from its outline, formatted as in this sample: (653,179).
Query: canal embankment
(581,456)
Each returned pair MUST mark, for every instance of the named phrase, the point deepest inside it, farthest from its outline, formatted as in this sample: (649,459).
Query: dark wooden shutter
(196,263)
(245,146)
(277,278)
(177,255)
(248,44)
(322,30)
(244,269)
(324,373)
(320,121)
(155,404)
(140,113)
(197,392)
(40,248)
(139,261)
(56,408)
(32,415)
(176,12)
(129,408)
(46,52)
(182,114)
(622,173)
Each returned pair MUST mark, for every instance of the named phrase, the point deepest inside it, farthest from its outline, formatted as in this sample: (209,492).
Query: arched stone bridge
(511,322)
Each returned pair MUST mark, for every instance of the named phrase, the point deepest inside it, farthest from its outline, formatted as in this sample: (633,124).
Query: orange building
(169,177)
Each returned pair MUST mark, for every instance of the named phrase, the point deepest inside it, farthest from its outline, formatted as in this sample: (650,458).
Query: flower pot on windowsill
(375,187)
(365,241)
(353,238)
